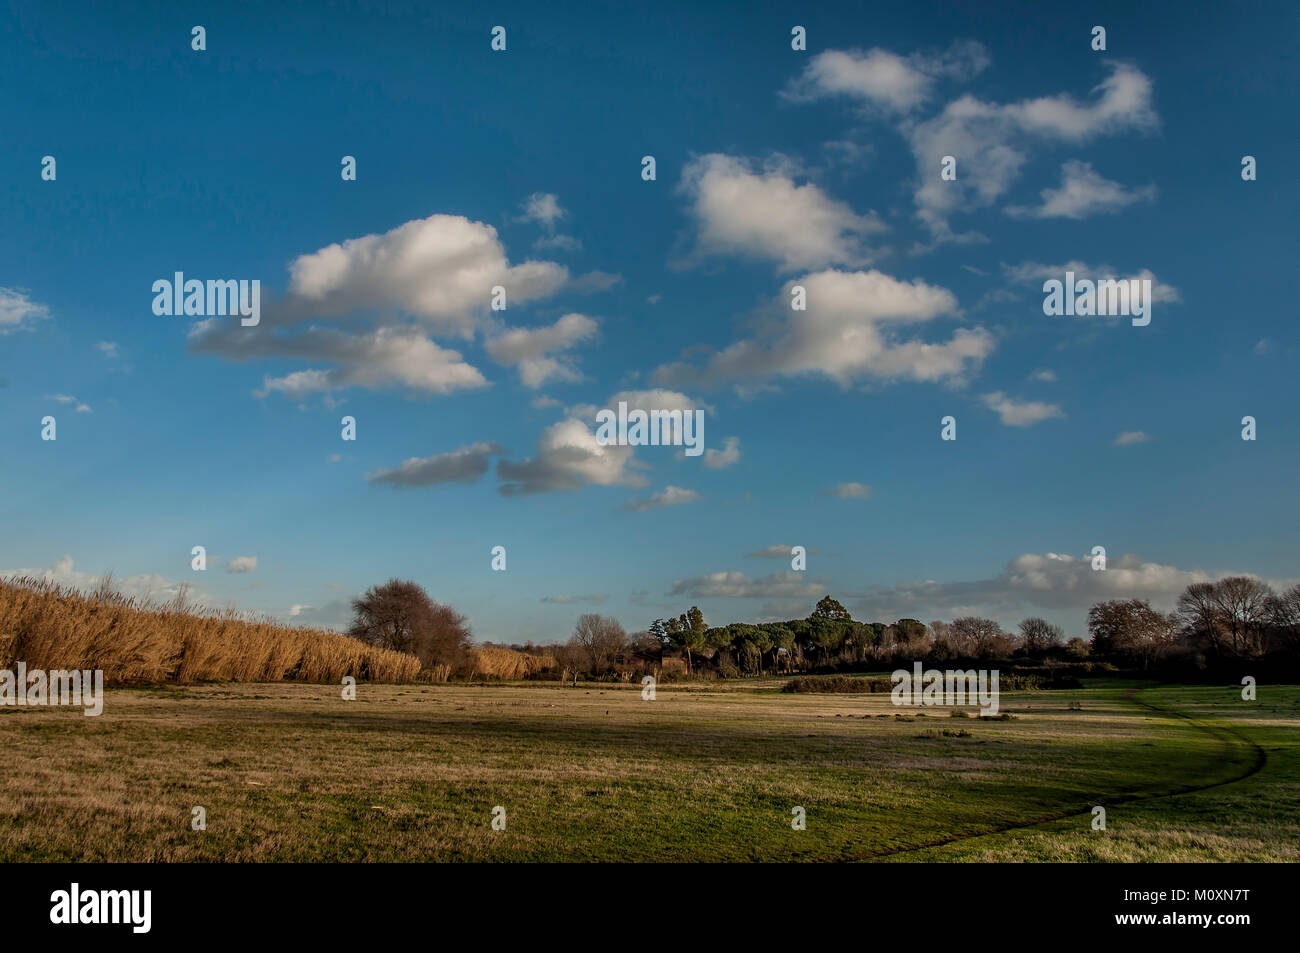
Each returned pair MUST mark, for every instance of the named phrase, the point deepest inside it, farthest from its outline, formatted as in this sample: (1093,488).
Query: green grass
(410,773)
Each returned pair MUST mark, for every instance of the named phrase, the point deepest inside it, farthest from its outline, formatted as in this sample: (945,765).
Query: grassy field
(291,772)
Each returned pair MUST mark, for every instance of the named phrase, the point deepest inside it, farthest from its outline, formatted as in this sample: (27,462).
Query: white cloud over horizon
(1028,582)
(737,585)
(63,572)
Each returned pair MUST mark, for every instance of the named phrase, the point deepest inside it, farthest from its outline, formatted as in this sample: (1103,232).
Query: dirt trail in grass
(1218,731)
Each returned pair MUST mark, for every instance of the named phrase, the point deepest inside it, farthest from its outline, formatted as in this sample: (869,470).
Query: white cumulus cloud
(761,212)
(1020,413)
(567,458)
(539,352)
(1083,193)
(858,326)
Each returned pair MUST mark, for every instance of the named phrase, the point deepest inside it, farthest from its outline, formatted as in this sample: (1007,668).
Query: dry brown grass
(136,642)
(495,661)
(411,773)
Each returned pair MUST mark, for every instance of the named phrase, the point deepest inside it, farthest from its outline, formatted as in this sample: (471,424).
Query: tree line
(1214,626)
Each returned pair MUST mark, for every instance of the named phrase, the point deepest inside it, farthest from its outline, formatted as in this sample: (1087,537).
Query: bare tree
(400,615)
(1130,627)
(572,659)
(1198,611)
(975,637)
(1243,606)
(602,639)
(1284,608)
(1230,617)
(1039,635)
(1284,620)
(645,643)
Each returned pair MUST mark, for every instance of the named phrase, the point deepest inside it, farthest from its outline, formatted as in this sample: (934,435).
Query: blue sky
(774,167)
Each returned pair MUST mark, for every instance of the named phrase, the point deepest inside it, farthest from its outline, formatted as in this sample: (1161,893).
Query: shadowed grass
(292,772)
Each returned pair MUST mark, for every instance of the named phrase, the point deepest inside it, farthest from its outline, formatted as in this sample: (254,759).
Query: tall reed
(134,641)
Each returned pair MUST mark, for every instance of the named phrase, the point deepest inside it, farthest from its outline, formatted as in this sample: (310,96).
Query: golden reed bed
(137,642)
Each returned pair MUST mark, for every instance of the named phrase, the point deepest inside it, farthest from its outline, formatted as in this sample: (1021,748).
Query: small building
(673,665)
